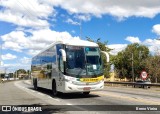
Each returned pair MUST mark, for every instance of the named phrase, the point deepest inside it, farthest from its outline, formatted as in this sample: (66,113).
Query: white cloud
(70,21)
(156,29)
(33,52)
(12,46)
(8,56)
(23,63)
(133,39)
(28,13)
(117,48)
(21,20)
(16,66)
(120,8)
(49,36)
(37,13)
(152,44)
(152,49)
(84,17)
(34,42)
(25,60)
(15,40)
(15,36)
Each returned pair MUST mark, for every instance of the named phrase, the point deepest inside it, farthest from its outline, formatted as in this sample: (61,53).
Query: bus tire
(86,93)
(35,84)
(54,88)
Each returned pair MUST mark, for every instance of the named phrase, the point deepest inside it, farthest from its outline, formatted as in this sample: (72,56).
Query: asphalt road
(21,93)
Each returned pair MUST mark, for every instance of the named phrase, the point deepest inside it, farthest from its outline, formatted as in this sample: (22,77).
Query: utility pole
(16,74)
(80,27)
(132,68)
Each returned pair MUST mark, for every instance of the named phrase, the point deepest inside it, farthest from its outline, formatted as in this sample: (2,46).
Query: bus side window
(61,65)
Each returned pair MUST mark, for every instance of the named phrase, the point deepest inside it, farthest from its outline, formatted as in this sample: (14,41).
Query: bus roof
(79,42)
(73,42)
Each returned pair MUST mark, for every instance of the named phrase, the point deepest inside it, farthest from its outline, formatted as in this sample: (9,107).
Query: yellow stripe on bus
(92,79)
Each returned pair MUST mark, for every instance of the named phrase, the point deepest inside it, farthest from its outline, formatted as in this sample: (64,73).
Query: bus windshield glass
(83,62)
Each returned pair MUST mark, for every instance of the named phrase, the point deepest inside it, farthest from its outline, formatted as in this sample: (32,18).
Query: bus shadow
(77,95)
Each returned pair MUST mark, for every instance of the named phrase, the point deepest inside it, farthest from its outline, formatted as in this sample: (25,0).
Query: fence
(133,84)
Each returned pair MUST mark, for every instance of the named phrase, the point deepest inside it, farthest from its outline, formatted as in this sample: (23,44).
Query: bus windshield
(83,62)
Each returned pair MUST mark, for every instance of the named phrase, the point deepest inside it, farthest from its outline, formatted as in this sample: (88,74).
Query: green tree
(103,47)
(120,65)
(135,53)
(22,71)
(152,65)
(19,71)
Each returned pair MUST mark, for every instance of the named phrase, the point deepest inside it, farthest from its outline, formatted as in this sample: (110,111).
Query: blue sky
(27,26)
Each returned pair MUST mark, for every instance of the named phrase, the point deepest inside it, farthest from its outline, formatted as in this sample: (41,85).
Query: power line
(26,10)
(30,14)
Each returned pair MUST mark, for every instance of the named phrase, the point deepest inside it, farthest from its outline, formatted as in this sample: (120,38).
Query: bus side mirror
(107,55)
(63,54)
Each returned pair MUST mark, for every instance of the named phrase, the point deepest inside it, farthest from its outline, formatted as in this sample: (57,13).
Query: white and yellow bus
(69,66)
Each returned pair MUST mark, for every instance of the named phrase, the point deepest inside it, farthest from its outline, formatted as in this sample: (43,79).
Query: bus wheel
(54,89)
(35,84)
(86,93)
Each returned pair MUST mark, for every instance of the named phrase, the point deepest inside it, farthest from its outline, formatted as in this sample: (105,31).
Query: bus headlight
(69,81)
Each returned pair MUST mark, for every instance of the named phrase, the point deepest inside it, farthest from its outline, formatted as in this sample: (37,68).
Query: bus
(69,66)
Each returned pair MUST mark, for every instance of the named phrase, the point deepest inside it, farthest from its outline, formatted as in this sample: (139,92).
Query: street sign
(144,75)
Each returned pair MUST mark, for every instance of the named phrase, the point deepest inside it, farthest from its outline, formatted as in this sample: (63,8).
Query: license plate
(86,88)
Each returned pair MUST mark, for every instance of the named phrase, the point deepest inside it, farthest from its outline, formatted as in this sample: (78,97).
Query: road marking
(54,98)
(127,98)
(32,92)
(41,94)
(69,104)
(50,97)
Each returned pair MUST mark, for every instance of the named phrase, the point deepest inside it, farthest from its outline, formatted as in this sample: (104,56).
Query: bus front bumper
(83,87)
